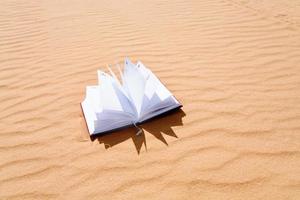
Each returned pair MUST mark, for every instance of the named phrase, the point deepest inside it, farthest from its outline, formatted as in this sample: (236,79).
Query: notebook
(114,104)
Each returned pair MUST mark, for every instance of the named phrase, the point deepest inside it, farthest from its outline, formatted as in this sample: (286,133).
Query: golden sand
(234,65)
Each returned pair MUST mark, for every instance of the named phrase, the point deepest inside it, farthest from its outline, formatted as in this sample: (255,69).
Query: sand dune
(234,65)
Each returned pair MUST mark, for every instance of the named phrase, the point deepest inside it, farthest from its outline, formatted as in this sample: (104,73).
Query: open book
(112,105)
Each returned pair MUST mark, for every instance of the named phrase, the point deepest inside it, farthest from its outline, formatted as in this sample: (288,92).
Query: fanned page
(138,97)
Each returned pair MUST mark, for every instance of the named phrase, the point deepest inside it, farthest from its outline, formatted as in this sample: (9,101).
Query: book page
(155,93)
(89,106)
(106,107)
(159,108)
(159,111)
(108,96)
(113,96)
(112,105)
(134,84)
(157,98)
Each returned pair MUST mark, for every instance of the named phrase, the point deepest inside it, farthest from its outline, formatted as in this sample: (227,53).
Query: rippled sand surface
(234,65)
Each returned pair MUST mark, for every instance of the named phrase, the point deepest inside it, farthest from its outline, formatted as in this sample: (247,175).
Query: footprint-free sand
(233,64)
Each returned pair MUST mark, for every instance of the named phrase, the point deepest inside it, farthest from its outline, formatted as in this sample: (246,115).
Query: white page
(168,102)
(102,126)
(89,106)
(158,112)
(143,70)
(108,95)
(149,102)
(134,84)
(161,91)
(114,76)
(94,98)
(112,115)
(154,94)
(99,119)
(105,106)
(126,103)
(156,108)
(141,96)
(117,109)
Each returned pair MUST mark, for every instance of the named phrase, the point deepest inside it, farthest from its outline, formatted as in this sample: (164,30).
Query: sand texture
(234,65)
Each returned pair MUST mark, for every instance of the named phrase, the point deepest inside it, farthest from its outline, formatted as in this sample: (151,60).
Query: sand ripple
(234,65)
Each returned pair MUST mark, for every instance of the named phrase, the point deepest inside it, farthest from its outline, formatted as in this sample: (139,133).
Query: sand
(234,65)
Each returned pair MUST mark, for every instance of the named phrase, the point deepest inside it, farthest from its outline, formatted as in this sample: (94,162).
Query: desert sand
(234,65)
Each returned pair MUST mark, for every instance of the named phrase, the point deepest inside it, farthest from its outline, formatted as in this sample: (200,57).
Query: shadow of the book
(156,126)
